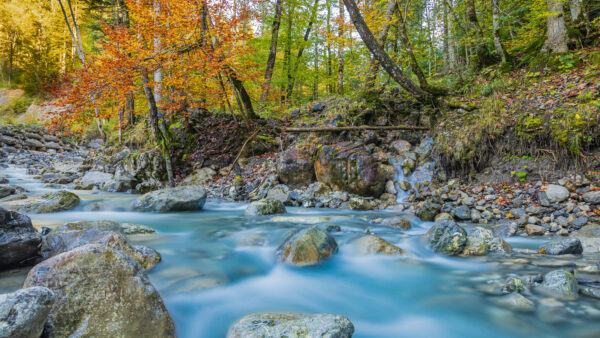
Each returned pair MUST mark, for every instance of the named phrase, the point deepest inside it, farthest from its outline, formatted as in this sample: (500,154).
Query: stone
(280,193)
(481,241)
(53,202)
(100,292)
(590,291)
(350,167)
(370,245)
(19,240)
(462,213)
(390,188)
(516,302)
(397,222)
(264,207)
(577,222)
(556,193)
(592,197)
(59,241)
(183,198)
(443,216)
(357,203)
(93,179)
(563,247)
(401,146)
(199,176)
(23,313)
(292,325)
(560,284)
(295,168)
(447,237)
(428,211)
(117,185)
(306,247)
(535,230)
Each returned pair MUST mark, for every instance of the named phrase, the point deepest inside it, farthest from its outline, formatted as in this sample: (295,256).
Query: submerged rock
(19,240)
(563,247)
(481,241)
(105,225)
(59,241)
(292,325)
(23,313)
(369,245)
(101,292)
(184,198)
(559,284)
(53,202)
(265,206)
(515,302)
(307,247)
(397,222)
(447,237)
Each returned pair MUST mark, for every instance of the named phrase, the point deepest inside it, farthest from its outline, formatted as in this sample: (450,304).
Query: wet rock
(146,170)
(447,237)
(428,211)
(563,247)
(183,198)
(333,228)
(59,241)
(499,288)
(577,223)
(462,213)
(515,302)
(265,207)
(53,202)
(295,168)
(19,240)
(560,284)
(199,176)
(117,185)
(535,230)
(481,241)
(592,197)
(590,291)
(307,247)
(397,222)
(100,292)
(390,188)
(556,193)
(357,203)
(23,313)
(370,245)
(349,167)
(93,179)
(292,325)
(280,193)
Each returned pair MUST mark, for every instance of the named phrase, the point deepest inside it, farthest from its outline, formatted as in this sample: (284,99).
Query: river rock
(350,167)
(369,245)
(295,168)
(183,198)
(307,247)
(105,225)
(481,241)
(401,146)
(281,193)
(428,211)
(559,284)
(19,240)
(563,247)
(292,325)
(358,203)
(199,176)
(592,197)
(93,179)
(57,242)
(462,213)
(447,237)
(397,222)
(23,313)
(515,302)
(7,190)
(146,170)
(117,185)
(265,206)
(100,292)
(556,193)
(53,202)
(535,230)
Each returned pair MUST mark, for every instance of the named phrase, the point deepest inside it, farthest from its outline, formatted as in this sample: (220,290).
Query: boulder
(515,302)
(199,176)
(401,146)
(100,292)
(264,207)
(481,241)
(93,179)
(307,247)
(146,170)
(428,211)
(280,193)
(559,284)
(19,240)
(183,198)
(462,213)
(370,245)
(23,313)
(105,225)
(292,325)
(349,167)
(447,237)
(59,241)
(563,247)
(397,222)
(592,197)
(116,185)
(556,193)
(362,204)
(295,168)
(53,202)
(535,230)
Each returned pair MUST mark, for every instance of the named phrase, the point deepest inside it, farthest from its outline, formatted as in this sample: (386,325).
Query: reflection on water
(218,265)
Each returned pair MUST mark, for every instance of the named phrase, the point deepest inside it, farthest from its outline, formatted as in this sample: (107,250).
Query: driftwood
(358,128)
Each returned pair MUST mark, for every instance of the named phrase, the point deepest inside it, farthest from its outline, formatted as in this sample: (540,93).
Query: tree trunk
(287,54)
(152,108)
(556,41)
(341,48)
(496,27)
(11,56)
(272,51)
(382,57)
(374,65)
(576,13)
(99,124)
(75,43)
(130,108)
(446,42)
(329,63)
(476,31)
(158,73)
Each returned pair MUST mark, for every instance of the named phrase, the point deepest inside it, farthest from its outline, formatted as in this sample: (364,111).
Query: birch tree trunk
(556,39)
(575,6)
(496,27)
(272,51)
(341,48)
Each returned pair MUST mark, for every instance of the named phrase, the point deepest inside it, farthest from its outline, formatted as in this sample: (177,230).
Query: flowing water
(218,266)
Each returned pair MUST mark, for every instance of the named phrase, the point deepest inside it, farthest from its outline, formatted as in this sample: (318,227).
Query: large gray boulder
(481,241)
(559,284)
(93,179)
(556,193)
(59,241)
(295,168)
(19,240)
(307,247)
(447,237)
(23,313)
(266,206)
(53,202)
(292,325)
(563,247)
(592,197)
(101,292)
(184,198)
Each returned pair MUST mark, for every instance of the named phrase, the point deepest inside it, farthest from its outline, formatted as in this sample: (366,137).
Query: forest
(299,168)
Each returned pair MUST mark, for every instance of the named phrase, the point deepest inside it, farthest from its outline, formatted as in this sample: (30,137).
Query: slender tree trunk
(341,47)
(130,108)
(374,65)
(158,73)
(496,27)
(477,32)
(446,41)
(329,63)
(287,54)
(386,62)
(576,13)
(152,108)
(11,56)
(272,51)
(316,72)
(556,41)
(76,31)
(75,43)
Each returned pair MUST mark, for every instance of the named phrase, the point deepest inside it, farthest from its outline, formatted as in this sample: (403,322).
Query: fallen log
(358,128)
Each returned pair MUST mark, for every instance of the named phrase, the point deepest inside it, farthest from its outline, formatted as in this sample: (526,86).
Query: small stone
(369,245)
(443,216)
(265,207)
(535,230)
(516,302)
(592,197)
(560,284)
(397,222)
(447,237)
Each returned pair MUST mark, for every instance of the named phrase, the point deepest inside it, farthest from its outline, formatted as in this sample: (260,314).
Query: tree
(496,28)
(556,36)
(272,51)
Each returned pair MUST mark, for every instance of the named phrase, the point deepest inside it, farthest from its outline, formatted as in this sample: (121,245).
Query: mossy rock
(266,206)
(53,202)
(307,247)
